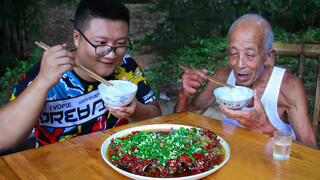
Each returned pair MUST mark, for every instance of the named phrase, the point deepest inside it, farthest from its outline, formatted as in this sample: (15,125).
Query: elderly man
(279,98)
(59,101)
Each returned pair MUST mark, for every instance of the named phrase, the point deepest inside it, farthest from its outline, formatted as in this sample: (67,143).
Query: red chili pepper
(125,138)
(154,161)
(133,148)
(195,155)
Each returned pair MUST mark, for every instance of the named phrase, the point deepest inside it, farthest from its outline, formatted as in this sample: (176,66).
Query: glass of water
(282,144)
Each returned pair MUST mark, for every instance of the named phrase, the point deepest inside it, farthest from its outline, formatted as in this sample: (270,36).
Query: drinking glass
(282,144)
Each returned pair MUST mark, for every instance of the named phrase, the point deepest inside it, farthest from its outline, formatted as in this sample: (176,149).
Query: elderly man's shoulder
(222,73)
(291,81)
(292,85)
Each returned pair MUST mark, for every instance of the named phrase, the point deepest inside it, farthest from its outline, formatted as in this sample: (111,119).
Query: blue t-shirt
(74,107)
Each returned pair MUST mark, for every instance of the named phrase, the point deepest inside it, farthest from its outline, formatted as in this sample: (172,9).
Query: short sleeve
(25,80)
(132,71)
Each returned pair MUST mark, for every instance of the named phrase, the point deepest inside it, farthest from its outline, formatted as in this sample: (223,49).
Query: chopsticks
(210,78)
(82,68)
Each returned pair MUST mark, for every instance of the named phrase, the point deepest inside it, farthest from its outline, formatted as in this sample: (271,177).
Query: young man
(59,101)
(279,98)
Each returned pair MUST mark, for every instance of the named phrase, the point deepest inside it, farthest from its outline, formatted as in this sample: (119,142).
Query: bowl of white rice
(233,98)
(120,94)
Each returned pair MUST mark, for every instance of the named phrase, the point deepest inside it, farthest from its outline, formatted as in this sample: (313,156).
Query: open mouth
(243,77)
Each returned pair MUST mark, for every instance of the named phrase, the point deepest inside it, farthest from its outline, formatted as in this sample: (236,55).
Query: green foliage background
(19,21)
(207,18)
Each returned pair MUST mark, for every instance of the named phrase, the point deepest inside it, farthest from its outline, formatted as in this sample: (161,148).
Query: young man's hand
(55,62)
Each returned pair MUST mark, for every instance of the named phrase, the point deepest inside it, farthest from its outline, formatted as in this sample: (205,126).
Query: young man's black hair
(89,9)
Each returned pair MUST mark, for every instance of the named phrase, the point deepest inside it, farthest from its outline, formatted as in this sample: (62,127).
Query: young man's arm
(18,117)
(136,111)
(145,111)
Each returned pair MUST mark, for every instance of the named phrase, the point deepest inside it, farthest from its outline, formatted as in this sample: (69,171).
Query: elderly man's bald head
(259,22)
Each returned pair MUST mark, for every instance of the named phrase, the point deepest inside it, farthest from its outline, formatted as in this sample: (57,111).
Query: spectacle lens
(105,50)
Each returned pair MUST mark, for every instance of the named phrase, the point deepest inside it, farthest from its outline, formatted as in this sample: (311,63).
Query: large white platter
(159,127)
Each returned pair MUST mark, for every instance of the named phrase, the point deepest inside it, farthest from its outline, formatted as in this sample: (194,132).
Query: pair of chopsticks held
(82,68)
(210,78)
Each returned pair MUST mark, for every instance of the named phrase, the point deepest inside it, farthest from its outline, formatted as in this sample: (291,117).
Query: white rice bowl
(120,94)
(233,98)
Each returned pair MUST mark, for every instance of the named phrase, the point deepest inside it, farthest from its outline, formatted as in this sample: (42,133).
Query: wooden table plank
(80,158)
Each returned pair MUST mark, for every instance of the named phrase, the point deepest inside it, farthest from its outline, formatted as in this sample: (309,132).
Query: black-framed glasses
(103,50)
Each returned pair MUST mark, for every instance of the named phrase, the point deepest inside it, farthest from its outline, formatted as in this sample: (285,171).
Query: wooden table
(80,158)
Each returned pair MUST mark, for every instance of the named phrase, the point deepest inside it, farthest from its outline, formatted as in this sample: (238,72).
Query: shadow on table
(27,144)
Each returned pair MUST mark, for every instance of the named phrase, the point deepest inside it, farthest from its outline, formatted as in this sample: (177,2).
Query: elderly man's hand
(192,80)
(255,119)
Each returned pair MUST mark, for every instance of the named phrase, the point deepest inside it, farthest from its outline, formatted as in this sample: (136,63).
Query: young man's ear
(76,37)
(270,57)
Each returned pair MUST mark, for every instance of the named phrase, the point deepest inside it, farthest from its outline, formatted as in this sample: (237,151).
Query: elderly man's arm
(294,97)
(191,82)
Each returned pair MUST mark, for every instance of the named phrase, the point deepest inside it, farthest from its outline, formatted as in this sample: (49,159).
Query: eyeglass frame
(111,48)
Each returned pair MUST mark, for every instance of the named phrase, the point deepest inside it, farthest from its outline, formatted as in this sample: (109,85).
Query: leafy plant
(310,36)
(19,21)
(201,53)
(12,75)
(286,14)
(204,19)
(60,2)
(186,18)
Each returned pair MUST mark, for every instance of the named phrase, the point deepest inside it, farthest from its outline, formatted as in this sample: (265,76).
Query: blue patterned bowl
(121,94)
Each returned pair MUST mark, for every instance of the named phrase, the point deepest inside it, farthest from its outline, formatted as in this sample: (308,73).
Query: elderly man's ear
(270,55)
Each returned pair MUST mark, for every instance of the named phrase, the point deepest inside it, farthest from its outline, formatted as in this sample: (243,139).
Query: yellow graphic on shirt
(109,114)
(79,129)
(13,97)
(134,77)
(90,88)
(68,137)
(71,135)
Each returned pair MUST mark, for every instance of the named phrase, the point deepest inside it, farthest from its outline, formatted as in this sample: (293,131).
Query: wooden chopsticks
(82,68)
(210,78)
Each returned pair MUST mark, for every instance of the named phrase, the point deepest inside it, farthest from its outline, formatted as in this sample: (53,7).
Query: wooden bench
(303,51)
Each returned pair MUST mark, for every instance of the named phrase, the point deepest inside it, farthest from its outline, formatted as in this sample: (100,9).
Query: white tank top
(269,100)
